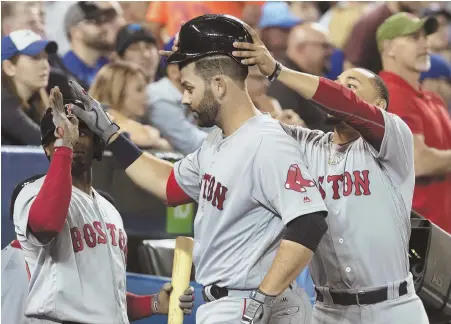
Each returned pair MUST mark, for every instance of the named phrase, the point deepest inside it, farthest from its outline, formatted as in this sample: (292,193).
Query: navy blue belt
(362,297)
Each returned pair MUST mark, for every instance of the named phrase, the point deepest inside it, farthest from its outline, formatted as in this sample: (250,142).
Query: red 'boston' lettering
(357,182)
(206,180)
(121,239)
(320,187)
(112,229)
(362,183)
(210,189)
(215,193)
(335,185)
(219,196)
(347,184)
(77,242)
(90,235)
(102,236)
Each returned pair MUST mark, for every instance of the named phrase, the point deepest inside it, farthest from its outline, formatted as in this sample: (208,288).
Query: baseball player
(14,284)
(364,171)
(73,239)
(260,217)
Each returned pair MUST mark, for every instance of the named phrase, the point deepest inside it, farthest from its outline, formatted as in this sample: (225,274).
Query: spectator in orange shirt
(170,14)
(404,51)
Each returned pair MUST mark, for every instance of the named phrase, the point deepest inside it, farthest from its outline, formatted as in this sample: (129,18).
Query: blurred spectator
(86,25)
(257,86)
(308,51)
(340,19)
(22,15)
(404,48)
(441,40)
(55,11)
(17,15)
(361,47)
(55,19)
(275,24)
(169,115)
(134,43)
(168,15)
(438,79)
(121,86)
(114,24)
(135,11)
(25,74)
(307,11)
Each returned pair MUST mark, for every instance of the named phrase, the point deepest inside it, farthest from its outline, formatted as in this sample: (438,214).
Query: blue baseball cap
(440,69)
(25,42)
(278,14)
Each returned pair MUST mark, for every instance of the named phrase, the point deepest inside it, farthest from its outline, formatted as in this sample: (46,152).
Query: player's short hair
(379,86)
(209,66)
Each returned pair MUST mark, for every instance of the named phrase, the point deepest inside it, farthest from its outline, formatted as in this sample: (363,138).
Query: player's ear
(219,87)
(382,104)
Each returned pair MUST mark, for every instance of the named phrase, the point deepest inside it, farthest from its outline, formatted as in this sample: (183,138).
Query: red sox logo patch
(295,180)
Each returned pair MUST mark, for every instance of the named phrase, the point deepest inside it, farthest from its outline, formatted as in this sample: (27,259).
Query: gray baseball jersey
(248,185)
(14,286)
(80,275)
(369,198)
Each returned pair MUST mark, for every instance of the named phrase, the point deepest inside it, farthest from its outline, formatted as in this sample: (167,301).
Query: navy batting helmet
(209,34)
(48,132)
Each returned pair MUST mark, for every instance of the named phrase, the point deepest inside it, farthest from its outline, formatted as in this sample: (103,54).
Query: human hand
(161,305)
(66,125)
(255,53)
(93,113)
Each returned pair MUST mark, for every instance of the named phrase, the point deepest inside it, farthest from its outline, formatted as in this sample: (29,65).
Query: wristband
(276,72)
(125,151)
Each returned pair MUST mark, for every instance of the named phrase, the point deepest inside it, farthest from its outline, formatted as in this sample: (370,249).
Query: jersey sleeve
(22,207)
(187,174)
(281,181)
(396,152)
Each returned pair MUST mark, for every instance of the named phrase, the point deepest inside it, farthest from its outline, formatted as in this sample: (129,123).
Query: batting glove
(258,309)
(93,115)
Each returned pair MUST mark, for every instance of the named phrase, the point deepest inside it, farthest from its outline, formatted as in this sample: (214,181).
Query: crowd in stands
(111,49)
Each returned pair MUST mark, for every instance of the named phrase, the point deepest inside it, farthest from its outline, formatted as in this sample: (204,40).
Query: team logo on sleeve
(296,181)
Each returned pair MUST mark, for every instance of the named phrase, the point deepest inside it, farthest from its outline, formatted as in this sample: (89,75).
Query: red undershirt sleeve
(138,307)
(49,210)
(174,194)
(343,103)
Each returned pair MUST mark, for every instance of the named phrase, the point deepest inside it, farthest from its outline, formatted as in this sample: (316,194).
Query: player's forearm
(138,307)
(338,101)
(430,161)
(145,170)
(290,259)
(303,83)
(151,174)
(49,210)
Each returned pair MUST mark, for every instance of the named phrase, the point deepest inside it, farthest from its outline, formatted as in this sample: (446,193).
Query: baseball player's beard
(80,165)
(207,110)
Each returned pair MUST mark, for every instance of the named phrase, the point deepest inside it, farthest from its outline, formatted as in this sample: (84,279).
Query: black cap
(132,33)
(48,130)
(87,10)
(209,34)
(48,127)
